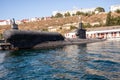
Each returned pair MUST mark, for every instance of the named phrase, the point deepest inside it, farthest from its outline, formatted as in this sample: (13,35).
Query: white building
(113,8)
(71,35)
(51,29)
(106,34)
(84,10)
(33,19)
(5,22)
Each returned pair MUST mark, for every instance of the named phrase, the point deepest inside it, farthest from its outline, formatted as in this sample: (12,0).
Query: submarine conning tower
(81,33)
(13,24)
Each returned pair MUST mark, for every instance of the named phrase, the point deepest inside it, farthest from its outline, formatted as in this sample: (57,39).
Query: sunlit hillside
(44,24)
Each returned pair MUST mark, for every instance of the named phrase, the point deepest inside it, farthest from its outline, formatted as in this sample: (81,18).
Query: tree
(52,16)
(100,9)
(42,18)
(118,20)
(72,27)
(79,13)
(108,19)
(86,25)
(117,11)
(73,14)
(44,30)
(58,15)
(67,14)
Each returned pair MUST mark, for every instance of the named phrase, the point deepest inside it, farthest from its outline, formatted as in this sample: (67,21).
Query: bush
(58,15)
(108,19)
(111,21)
(72,27)
(117,11)
(100,9)
(67,14)
(87,25)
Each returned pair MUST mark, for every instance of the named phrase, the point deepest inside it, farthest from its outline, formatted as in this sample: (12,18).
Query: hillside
(44,24)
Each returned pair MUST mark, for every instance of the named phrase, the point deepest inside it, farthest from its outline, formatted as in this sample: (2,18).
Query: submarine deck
(53,44)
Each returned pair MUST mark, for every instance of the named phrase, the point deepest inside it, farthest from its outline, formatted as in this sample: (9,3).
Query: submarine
(23,39)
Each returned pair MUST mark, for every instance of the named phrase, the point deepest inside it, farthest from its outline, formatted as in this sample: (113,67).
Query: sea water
(93,61)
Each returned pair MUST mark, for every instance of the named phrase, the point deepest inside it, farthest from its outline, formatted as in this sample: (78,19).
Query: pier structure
(5,46)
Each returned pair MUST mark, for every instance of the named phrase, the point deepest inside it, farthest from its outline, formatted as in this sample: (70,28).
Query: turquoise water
(94,61)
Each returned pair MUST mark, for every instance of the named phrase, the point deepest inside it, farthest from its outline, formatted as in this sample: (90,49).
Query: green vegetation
(108,19)
(44,30)
(67,14)
(58,15)
(117,11)
(79,13)
(87,25)
(115,20)
(73,14)
(72,27)
(111,21)
(100,9)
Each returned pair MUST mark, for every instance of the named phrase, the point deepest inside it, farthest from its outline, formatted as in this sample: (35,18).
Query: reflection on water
(95,61)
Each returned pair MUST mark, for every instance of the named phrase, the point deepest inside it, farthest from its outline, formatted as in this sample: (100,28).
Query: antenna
(13,21)
(80,24)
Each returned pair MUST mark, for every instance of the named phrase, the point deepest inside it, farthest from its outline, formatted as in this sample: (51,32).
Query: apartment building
(5,22)
(84,10)
(113,8)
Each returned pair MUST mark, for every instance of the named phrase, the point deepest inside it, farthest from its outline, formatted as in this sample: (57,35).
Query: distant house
(47,18)
(52,29)
(84,10)
(70,35)
(33,19)
(66,27)
(25,20)
(94,23)
(5,22)
(18,22)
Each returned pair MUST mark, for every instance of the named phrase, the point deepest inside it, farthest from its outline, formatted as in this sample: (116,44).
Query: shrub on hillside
(117,11)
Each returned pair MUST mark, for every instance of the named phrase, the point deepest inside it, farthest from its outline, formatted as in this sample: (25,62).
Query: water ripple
(95,61)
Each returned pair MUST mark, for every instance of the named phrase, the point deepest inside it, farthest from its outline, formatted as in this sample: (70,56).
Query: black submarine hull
(28,39)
